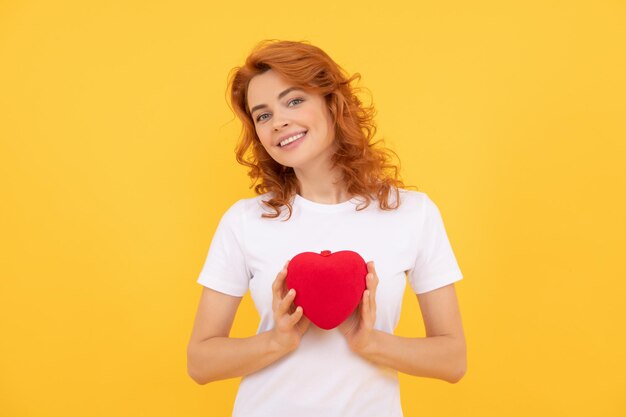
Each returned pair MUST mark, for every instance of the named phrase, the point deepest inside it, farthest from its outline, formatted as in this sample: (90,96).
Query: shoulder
(413,200)
(247,207)
(416,206)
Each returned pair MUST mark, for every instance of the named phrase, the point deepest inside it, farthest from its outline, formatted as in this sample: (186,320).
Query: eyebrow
(281,95)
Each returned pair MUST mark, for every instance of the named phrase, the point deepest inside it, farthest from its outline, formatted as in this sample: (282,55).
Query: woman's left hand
(358,328)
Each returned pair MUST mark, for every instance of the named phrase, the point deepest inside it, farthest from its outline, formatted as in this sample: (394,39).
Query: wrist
(368,350)
(274,346)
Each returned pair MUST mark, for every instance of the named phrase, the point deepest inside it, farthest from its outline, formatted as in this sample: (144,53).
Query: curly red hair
(364,167)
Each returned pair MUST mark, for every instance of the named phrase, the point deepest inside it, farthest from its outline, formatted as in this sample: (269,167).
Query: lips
(288,135)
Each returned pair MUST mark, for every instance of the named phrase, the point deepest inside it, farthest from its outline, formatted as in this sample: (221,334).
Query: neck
(322,185)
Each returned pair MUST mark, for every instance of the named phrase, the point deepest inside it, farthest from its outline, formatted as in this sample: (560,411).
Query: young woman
(323,186)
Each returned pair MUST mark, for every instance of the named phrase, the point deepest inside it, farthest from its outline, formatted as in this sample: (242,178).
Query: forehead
(265,86)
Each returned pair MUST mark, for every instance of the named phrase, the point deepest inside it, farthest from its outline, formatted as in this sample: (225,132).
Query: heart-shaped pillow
(329,286)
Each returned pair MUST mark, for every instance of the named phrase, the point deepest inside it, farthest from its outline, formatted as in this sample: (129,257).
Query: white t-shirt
(323,377)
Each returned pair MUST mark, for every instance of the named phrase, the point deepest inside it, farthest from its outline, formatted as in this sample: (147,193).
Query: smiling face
(281,111)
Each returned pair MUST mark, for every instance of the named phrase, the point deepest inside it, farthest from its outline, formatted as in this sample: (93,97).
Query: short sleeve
(225,267)
(435,265)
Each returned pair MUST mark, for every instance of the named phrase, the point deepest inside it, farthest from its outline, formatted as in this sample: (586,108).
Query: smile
(292,139)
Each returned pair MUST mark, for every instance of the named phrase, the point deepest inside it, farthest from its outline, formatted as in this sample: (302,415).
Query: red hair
(308,67)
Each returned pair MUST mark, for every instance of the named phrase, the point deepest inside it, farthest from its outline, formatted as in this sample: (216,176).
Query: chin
(289,165)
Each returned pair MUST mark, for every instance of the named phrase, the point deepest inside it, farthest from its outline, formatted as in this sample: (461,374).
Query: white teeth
(291,139)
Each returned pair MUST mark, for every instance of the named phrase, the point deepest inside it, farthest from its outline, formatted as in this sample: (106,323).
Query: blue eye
(258,119)
(295,99)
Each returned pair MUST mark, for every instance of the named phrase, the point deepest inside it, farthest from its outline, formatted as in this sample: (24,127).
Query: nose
(278,126)
(279,122)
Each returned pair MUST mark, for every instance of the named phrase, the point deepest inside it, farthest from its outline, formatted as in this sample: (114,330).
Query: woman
(323,186)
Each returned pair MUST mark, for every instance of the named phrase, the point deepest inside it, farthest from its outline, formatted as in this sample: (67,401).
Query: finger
(371,269)
(285,303)
(372,305)
(278,284)
(373,285)
(303,323)
(369,316)
(372,281)
(366,305)
(276,292)
(295,317)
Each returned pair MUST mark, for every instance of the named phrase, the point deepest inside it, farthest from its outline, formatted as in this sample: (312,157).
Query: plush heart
(329,286)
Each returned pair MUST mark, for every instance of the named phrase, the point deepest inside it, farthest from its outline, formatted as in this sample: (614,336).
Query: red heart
(328,286)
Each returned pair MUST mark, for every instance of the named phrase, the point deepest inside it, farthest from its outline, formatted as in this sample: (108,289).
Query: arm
(441,355)
(212,355)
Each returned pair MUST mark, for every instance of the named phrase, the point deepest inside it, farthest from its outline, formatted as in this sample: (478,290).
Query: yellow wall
(116,159)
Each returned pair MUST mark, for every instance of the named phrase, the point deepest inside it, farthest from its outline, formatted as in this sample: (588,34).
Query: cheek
(267,145)
(263,136)
(324,122)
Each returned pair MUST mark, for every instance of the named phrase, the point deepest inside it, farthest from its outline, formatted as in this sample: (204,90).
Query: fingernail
(291,292)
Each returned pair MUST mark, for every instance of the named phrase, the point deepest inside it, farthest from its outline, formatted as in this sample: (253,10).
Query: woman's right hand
(289,322)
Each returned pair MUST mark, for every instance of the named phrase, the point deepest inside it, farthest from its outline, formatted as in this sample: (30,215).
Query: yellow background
(117,163)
